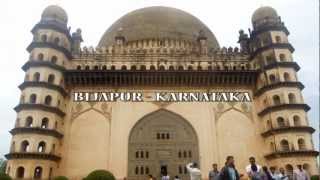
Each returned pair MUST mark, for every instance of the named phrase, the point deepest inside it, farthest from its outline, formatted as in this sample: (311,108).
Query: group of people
(253,170)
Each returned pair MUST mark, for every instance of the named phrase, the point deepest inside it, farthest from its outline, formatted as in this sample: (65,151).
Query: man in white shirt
(300,174)
(253,169)
(195,173)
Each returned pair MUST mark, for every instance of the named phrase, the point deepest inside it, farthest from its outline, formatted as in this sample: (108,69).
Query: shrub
(4,177)
(60,178)
(315,177)
(100,175)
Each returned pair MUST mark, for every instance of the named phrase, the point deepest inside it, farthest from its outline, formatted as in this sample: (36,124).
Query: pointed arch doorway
(161,142)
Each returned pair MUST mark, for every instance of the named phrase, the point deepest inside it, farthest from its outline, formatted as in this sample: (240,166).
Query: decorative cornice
(32,155)
(263,29)
(36,130)
(280,107)
(34,63)
(52,26)
(293,153)
(284,64)
(34,44)
(278,85)
(272,46)
(159,77)
(286,129)
(43,84)
(42,107)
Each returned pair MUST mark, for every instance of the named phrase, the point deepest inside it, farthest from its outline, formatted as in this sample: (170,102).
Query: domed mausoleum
(158,50)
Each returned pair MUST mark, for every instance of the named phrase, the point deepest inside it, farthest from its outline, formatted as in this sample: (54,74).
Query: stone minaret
(280,104)
(37,135)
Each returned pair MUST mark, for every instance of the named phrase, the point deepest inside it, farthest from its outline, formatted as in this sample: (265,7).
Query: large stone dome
(54,13)
(158,22)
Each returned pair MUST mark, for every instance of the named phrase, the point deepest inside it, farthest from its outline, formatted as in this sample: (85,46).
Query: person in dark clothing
(229,172)
(266,174)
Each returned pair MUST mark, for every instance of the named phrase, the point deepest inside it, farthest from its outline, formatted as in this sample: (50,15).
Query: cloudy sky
(223,17)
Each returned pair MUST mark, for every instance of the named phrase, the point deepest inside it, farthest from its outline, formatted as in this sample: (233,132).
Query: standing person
(273,173)
(265,175)
(282,175)
(229,172)
(253,170)
(165,176)
(214,173)
(300,174)
(194,171)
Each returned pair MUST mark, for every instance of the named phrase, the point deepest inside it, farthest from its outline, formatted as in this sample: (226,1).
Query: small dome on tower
(263,13)
(54,13)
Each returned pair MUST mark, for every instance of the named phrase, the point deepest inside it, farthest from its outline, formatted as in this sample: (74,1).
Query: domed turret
(54,13)
(264,14)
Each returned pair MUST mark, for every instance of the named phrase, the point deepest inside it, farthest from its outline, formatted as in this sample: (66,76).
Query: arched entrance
(161,142)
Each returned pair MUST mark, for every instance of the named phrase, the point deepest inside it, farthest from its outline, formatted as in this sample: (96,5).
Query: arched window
(147,154)
(137,170)
(78,67)
(141,170)
(292,98)
(113,67)
(171,68)
(281,122)
(44,123)
(87,68)
(133,67)
(180,68)
(40,57)
(54,59)
(47,100)
(123,67)
(282,57)
(143,67)
(301,144)
(29,121)
(286,77)
(179,154)
(289,171)
(37,173)
(33,98)
(56,41)
(137,154)
(147,170)
(284,145)
(152,67)
(141,154)
(306,167)
(180,169)
(272,78)
(104,67)
(278,39)
(42,147)
(190,68)
(190,154)
(36,77)
(158,136)
(296,121)
(167,136)
(44,38)
(200,68)
(276,100)
(96,67)
(51,78)
(184,154)
(25,146)
(161,68)
(20,172)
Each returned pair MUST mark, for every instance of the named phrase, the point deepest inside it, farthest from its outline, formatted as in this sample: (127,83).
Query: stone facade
(55,136)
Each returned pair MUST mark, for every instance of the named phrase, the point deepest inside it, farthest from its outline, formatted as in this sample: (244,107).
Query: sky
(224,17)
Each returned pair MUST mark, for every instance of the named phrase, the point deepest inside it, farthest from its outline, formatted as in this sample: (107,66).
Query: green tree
(3,165)
(100,175)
